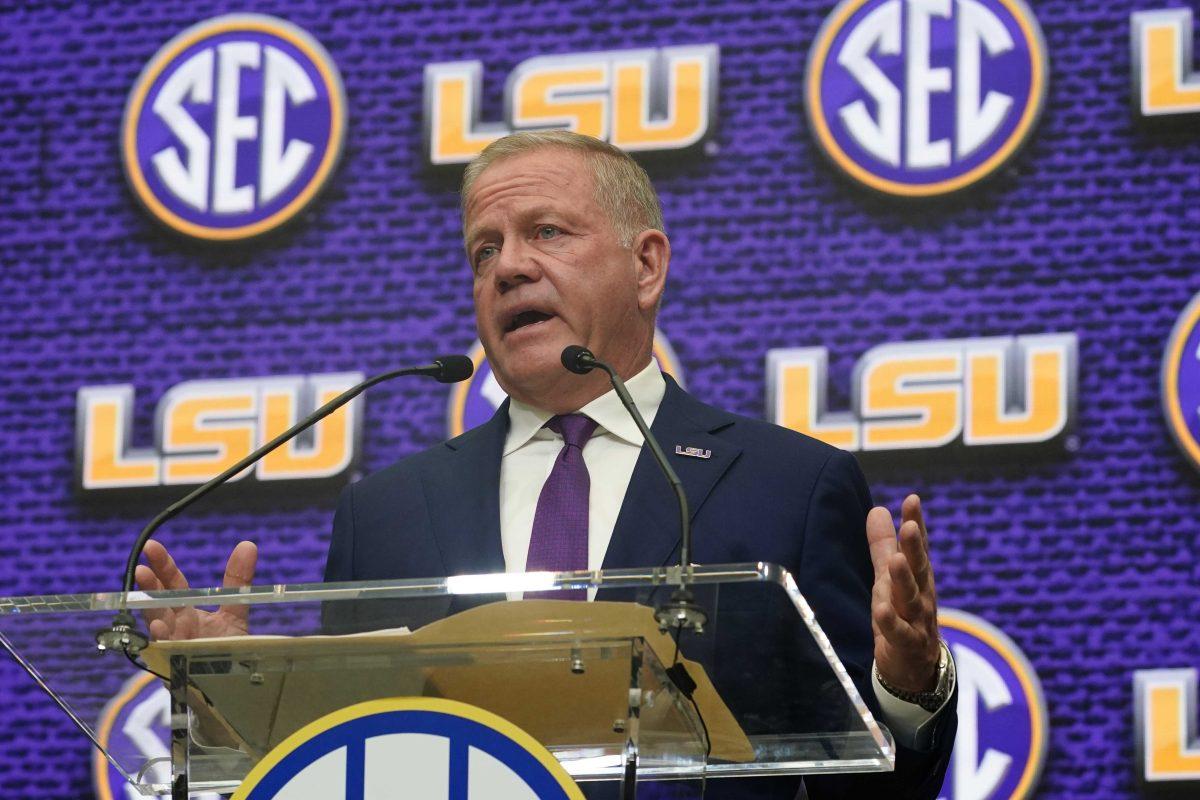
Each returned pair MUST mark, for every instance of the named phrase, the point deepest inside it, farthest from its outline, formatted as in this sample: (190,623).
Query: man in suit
(565,239)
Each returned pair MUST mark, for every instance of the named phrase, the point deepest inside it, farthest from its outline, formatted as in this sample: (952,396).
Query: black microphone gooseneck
(681,611)
(123,634)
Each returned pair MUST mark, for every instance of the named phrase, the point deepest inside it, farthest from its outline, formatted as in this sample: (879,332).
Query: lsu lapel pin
(694,452)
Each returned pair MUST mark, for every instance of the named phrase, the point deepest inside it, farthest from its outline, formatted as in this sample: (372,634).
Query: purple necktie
(560,523)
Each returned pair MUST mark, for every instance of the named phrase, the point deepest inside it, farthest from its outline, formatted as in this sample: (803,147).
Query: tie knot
(575,429)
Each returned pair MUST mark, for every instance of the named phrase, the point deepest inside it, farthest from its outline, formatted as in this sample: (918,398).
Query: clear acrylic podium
(759,691)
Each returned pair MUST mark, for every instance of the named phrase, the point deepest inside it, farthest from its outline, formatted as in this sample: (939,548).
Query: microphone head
(578,359)
(453,369)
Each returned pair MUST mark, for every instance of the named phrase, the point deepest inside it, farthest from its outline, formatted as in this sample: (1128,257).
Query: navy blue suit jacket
(765,494)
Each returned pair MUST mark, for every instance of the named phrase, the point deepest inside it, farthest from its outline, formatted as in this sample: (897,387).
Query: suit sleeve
(837,576)
(835,565)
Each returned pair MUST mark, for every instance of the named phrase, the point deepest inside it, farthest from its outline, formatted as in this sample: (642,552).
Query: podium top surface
(484,584)
(769,672)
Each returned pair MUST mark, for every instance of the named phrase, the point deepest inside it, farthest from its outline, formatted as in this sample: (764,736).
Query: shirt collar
(646,388)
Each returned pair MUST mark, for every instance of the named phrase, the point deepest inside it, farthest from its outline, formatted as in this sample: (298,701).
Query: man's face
(549,272)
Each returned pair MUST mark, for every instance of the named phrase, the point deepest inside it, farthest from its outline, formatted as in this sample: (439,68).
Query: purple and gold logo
(1181,382)
(917,98)
(233,127)
(1002,736)
(639,100)
(474,401)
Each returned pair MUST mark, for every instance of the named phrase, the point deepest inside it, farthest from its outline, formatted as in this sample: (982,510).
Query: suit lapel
(647,529)
(462,488)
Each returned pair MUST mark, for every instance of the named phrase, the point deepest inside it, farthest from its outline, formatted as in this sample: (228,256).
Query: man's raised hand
(192,623)
(904,600)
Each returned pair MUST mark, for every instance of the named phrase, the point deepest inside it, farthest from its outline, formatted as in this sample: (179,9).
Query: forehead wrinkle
(513,191)
(516,183)
(499,202)
(556,173)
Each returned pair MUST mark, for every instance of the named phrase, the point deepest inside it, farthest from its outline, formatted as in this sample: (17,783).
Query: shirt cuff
(911,725)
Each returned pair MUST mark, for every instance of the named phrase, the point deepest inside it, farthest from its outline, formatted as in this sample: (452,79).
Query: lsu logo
(434,749)
(658,99)
(1163,81)
(917,98)
(1181,382)
(135,728)
(1002,737)
(475,400)
(913,396)
(204,427)
(233,127)
(1164,710)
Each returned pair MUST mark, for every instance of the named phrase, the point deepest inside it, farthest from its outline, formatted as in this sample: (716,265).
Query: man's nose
(516,264)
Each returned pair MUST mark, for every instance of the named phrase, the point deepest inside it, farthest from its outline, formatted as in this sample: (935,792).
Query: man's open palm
(904,600)
(191,623)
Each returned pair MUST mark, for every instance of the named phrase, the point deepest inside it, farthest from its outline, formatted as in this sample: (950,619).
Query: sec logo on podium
(419,747)
(233,127)
(917,98)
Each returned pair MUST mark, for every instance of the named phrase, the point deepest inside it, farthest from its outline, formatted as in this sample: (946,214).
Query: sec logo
(917,98)
(474,401)
(1002,722)
(135,728)
(233,127)
(1181,382)
(420,747)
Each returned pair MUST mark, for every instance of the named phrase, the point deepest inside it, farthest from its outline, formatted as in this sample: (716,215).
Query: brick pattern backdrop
(1087,559)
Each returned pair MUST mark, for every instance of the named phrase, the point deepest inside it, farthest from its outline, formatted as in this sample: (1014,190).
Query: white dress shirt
(610,455)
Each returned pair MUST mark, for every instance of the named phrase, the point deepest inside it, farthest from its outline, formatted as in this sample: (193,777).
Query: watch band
(932,700)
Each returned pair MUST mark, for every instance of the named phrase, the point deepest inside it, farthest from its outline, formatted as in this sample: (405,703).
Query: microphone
(448,369)
(578,359)
(123,634)
(681,611)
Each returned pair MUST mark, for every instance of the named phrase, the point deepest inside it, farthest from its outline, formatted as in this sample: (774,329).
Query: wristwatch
(932,700)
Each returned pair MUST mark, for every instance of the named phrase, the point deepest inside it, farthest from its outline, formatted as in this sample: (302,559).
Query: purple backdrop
(1088,560)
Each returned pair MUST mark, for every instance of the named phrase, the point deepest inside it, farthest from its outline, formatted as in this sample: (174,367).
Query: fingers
(881,537)
(895,630)
(902,619)
(164,566)
(159,630)
(147,581)
(161,573)
(906,595)
(915,546)
(911,509)
(904,602)
(239,570)
(914,540)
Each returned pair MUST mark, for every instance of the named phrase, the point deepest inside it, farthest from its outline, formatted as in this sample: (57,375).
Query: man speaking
(564,236)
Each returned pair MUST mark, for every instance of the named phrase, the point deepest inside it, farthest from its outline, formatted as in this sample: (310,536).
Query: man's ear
(652,256)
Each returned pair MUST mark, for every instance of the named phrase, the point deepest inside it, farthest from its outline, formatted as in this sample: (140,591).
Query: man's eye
(484,253)
(547,231)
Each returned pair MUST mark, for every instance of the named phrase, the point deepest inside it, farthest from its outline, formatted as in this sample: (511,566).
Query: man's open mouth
(525,319)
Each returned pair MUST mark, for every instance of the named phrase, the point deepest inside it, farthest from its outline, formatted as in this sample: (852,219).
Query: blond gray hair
(622,188)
